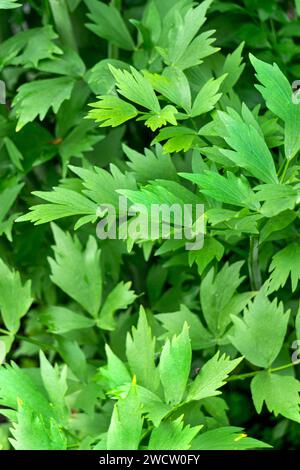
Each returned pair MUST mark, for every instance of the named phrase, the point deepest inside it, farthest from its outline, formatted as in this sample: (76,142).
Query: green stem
(252,374)
(113,51)
(286,166)
(63,23)
(286,366)
(29,340)
(242,376)
(231,379)
(253,264)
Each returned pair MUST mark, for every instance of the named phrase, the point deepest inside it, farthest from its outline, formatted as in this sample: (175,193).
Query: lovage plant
(132,328)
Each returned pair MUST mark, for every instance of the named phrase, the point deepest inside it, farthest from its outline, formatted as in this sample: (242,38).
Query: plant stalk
(253,264)
(63,22)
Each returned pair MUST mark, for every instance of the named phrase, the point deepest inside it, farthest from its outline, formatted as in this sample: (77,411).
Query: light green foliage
(32,432)
(133,86)
(35,99)
(265,321)
(109,24)
(7,4)
(29,47)
(228,438)
(84,286)
(16,384)
(55,384)
(219,299)
(280,392)
(249,148)
(211,377)
(119,298)
(173,436)
(60,320)
(278,94)
(111,111)
(140,351)
(63,203)
(285,263)
(174,366)
(229,189)
(126,424)
(15,297)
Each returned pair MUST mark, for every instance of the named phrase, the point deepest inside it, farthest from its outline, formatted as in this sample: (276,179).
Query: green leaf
(157,120)
(109,24)
(183,49)
(84,285)
(153,407)
(233,68)
(33,432)
(7,197)
(15,297)
(173,435)
(174,85)
(135,87)
(60,320)
(227,438)
(41,46)
(37,97)
(73,357)
(219,299)
(250,151)
(279,392)
(140,352)
(64,203)
(174,322)
(267,323)
(285,264)
(211,377)
(70,63)
(115,372)
(100,79)
(28,48)
(207,97)
(228,189)
(150,165)
(277,92)
(101,186)
(118,299)
(55,384)
(16,384)
(276,224)
(9,4)
(14,153)
(212,249)
(278,198)
(178,138)
(77,142)
(174,366)
(111,111)
(125,428)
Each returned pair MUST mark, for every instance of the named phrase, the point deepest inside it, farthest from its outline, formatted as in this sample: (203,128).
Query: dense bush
(141,343)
